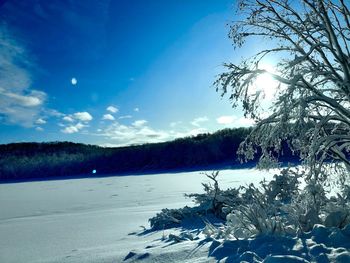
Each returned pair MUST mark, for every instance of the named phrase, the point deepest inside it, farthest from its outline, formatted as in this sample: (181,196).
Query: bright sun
(266,83)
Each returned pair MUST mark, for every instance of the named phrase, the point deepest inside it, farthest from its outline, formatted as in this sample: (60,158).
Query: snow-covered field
(88,220)
(99,220)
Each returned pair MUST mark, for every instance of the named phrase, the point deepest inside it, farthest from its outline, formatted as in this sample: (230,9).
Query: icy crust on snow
(322,244)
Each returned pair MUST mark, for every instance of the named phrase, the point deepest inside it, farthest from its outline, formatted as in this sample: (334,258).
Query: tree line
(22,161)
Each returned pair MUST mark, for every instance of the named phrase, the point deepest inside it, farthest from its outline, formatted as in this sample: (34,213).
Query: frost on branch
(311,110)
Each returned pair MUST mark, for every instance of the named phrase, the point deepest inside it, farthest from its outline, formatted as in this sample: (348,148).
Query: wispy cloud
(19,104)
(112,109)
(139,123)
(139,132)
(53,113)
(40,121)
(125,117)
(108,117)
(198,121)
(136,109)
(32,99)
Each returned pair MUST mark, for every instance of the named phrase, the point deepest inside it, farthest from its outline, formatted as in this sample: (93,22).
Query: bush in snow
(277,207)
(280,207)
(261,210)
(213,201)
(168,218)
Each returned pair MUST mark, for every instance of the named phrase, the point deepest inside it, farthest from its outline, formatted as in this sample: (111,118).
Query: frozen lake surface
(89,220)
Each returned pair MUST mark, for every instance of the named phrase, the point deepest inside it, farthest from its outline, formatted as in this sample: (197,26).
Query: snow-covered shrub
(281,207)
(277,207)
(259,209)
(168,218)
(284,185)
(208,200)
(302,211)
(345,193)
(251,220)
(337,211)
(260,213)
(214,200)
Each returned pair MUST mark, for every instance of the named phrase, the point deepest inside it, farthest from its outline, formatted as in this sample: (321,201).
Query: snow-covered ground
(100,220)
(89,220)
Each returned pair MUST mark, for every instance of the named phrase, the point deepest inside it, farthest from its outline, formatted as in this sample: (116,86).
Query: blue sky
(113,72)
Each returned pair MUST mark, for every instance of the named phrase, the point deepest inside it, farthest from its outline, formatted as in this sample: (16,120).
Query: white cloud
(244,122)
(139,123)
(234,121)
(197,121)
(80,125)
(40,121)
(75,122)
(125,117)
(136,133)
(73,128)
(68,118)
(70,129)
(19,104)
(35,98)
(39,129)
(136,109)
(193,132)
(112,109)
(78,116)
(225,120)
(82,116)
(139,132)
(108,117)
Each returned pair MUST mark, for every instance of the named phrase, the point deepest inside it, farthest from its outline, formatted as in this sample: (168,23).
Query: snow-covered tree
(310,40)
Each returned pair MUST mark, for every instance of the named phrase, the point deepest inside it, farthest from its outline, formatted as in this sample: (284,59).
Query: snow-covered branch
(311,109)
